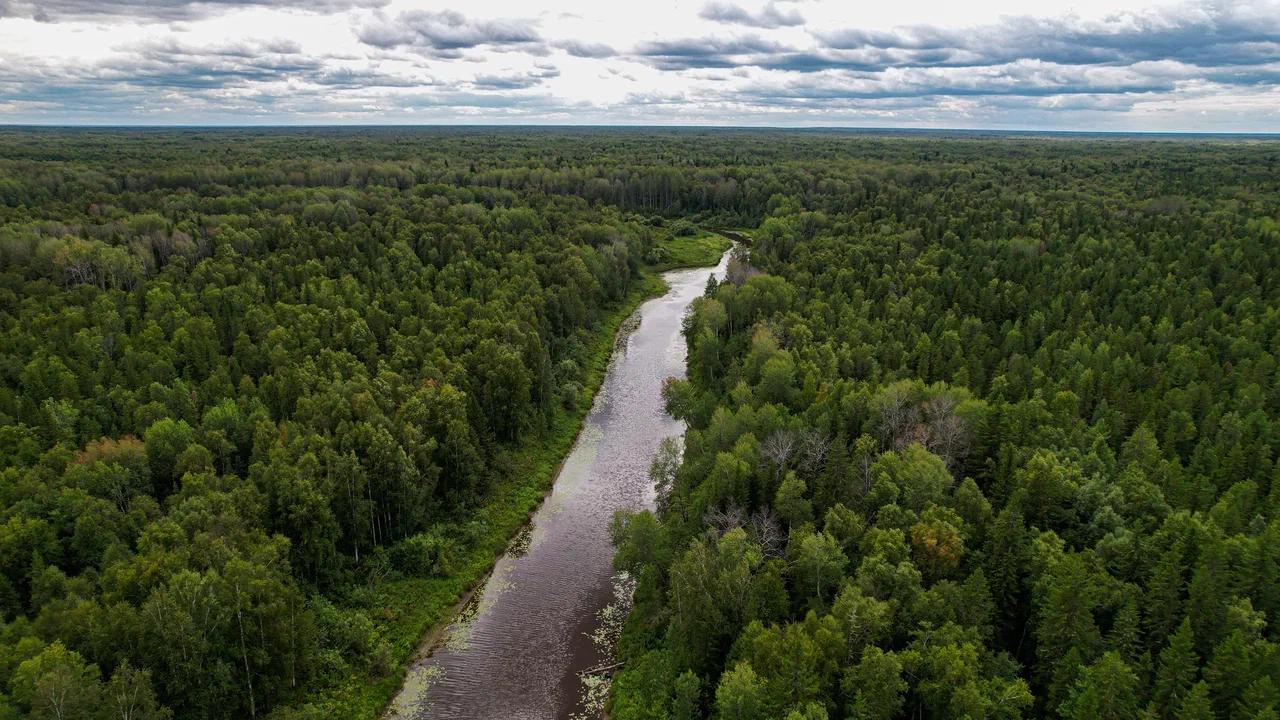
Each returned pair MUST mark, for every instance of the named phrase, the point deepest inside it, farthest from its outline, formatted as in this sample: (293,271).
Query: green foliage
(791,502)
(1176,672)
(264,419)
(56,683)
(974,425)
(687,246)
(1006,413)
(874,687)
(740,695)
(818,563)
(1195,706)
(1106,690)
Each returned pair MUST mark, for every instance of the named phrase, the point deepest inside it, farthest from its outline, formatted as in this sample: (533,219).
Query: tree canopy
(989,431)
(979,427)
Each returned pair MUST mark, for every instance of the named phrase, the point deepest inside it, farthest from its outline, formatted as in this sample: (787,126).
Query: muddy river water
(520,650)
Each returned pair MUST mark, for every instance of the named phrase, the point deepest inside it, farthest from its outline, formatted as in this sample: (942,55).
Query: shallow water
(519,650)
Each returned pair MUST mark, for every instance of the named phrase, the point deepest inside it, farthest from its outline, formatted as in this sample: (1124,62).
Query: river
(518,651)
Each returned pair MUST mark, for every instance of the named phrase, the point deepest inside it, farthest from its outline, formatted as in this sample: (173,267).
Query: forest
(978,427)
(991,437)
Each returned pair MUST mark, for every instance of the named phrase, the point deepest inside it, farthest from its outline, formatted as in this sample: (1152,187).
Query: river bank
(413,613)
(521,644)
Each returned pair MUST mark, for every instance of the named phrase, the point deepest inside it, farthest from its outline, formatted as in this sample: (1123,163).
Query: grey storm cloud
(770,17)
(1216,35)
(162,10)
(197,72)
(446,33)
(351,79)
(861,60)
(582,49)
(1227,33)
(1009,86)
(515,102)
(515,81)
(169,64)
(709,52)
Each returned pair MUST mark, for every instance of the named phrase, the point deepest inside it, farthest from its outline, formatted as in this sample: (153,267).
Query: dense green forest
(978,437)
(980,427)
(249,382)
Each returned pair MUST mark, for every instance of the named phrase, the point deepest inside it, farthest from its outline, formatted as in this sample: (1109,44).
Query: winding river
(523,647)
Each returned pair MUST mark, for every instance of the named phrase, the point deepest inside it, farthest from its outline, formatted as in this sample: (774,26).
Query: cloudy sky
(1087,65)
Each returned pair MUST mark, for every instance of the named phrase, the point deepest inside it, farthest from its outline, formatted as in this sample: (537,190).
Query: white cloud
(1211,65)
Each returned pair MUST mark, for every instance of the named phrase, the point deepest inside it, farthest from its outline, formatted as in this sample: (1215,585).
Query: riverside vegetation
(986,433)
(982,427)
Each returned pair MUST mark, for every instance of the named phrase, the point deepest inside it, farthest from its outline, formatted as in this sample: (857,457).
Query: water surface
(519,650)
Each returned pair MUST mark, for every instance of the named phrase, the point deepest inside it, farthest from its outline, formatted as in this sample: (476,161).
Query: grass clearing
(689,251)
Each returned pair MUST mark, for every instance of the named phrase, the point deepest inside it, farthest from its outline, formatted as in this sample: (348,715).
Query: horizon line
(629,126)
